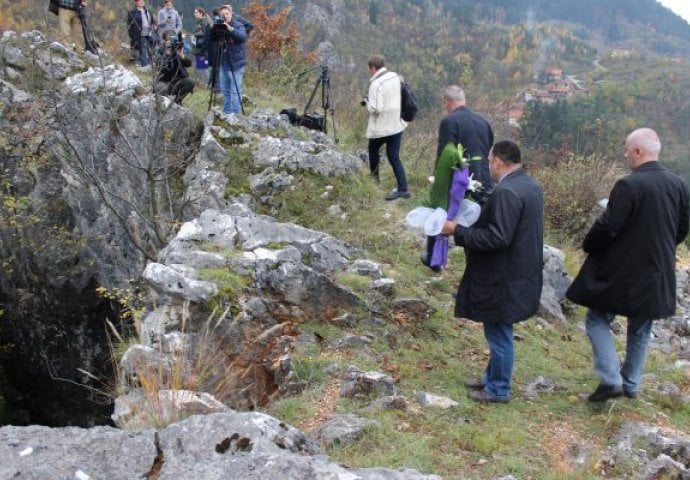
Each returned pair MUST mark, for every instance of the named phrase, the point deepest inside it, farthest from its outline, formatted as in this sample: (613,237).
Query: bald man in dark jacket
(630,269)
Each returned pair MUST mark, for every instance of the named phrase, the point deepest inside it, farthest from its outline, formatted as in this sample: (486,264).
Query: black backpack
(248,27)
(408,102)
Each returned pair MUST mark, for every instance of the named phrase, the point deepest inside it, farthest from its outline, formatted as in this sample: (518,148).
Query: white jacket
(383,104)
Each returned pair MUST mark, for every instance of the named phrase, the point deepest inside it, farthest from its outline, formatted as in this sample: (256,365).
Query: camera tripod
(221,39)
(324,81)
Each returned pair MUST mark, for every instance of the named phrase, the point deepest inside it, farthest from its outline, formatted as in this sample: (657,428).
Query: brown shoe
(482,396)
(474,383)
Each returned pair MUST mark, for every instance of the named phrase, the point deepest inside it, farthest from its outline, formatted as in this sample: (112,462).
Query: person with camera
(172,77)
(140,27)
(227,45)
(385,126)
(170,19)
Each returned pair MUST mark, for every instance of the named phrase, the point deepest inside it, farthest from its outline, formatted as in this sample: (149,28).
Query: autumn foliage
(272,36)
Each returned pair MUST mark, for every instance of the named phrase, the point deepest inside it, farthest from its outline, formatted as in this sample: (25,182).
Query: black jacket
(172,68)
(134,26)
(469,128)
(504,254)
(630,269)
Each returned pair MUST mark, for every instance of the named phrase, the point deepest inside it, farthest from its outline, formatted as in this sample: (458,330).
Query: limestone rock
(170,282)
(385,286)
(426,399)
(218,446)
(366,268)
(357,383)
(342,429)
(556,282)
(135,411)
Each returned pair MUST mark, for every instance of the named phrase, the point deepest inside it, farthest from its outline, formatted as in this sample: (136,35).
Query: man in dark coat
(630,269)
(503,277)
(141,25)
(472,131)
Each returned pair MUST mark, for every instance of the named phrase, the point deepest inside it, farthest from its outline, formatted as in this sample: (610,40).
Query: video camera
(219,30)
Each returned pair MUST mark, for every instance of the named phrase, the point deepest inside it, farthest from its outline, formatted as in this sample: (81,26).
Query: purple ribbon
(458,188)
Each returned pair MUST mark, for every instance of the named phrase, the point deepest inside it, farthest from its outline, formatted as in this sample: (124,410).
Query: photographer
(172,77)
(228,55)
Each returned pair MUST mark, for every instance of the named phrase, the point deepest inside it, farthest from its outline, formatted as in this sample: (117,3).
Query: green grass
(528,438)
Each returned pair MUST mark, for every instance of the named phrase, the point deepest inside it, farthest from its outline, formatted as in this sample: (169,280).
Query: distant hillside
(645,23)
(610,18)
(632,55)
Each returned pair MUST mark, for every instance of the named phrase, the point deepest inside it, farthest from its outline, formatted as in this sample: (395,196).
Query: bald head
(641,146)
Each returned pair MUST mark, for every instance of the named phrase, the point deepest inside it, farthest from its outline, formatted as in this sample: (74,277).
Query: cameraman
(228,56)
(172,77)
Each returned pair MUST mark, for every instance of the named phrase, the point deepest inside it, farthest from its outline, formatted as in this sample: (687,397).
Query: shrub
(572,188)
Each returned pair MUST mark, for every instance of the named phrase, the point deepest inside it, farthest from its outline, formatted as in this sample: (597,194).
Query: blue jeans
(606,362)
(231,92)
(144,47)
(393,143)
(499,371)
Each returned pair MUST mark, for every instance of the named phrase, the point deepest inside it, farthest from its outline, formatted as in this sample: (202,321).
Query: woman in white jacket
(385,125)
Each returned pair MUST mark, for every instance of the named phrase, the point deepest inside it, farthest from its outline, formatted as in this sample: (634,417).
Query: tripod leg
(311,99)
(213,82)
(325,101)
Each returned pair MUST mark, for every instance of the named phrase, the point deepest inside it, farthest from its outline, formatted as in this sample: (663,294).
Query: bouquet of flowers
(451,183)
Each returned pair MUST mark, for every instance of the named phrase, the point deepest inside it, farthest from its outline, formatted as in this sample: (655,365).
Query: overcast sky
(679,7)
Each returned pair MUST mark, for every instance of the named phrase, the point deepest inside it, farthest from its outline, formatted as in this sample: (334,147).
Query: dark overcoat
(466,127)
(134,26)
(504,254)
(630,269)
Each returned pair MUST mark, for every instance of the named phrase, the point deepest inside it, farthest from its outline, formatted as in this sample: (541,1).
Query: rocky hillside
(192,258)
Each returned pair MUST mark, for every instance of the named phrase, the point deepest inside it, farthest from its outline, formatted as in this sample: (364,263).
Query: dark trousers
(393,143)
(178,88)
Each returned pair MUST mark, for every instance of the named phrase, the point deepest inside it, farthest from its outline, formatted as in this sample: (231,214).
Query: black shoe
(395,194)
(474,383)
(424,258)
(629,393)
(482,396)
(604,392)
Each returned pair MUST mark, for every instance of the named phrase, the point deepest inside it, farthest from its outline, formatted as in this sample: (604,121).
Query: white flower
(474,185)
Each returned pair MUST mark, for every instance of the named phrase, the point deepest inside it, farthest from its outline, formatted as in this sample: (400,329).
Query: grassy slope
(527,438)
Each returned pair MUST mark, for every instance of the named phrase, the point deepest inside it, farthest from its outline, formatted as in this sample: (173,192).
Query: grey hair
(454,93)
